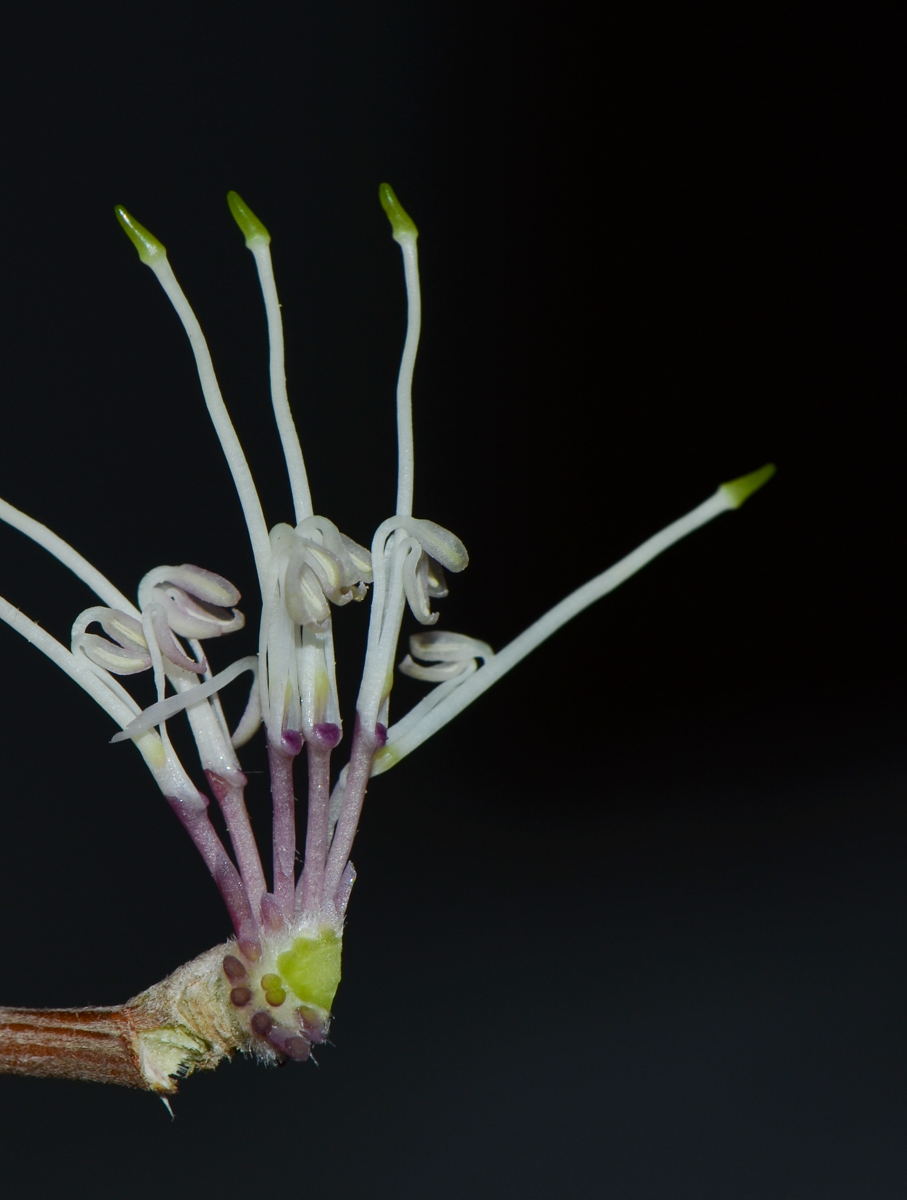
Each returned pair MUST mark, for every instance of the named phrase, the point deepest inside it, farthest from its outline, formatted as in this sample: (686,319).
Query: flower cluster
(283,969)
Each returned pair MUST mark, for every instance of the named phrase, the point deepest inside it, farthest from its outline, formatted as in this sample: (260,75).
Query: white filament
(80,567)
(286,426)
(75,666)
(220,418)
(407,735)
(405,461)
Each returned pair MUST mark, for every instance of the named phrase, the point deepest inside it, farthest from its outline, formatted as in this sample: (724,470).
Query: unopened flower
(270,990)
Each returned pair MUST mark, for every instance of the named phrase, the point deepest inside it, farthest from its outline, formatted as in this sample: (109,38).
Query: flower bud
(444,655)
(198,603)
(127,651)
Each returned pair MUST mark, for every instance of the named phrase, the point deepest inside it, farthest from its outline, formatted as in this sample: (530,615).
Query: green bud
(252,229)
(402,223)
(149,248)
(741,489)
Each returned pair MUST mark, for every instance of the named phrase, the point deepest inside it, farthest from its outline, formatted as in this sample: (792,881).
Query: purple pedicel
(228,788)
(309,889)
(291,741)
(234,896)
(283,825)
(342,895)
(290,1044)
(380,736)
(271,915)
(359,770)
(240,996)
(234,970)
(194,819)
(327,735)
(261,1023)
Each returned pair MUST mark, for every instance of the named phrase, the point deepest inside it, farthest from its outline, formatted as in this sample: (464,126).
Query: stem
(184,1023)
(284,832)
(311,887)
(70,1043)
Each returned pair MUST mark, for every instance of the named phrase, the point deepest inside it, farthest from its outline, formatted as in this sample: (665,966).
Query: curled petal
(415,586)
(355,560)
(358,592)
(439,542)
(125,630)
(437,583)
(305,599)
(437,645)
(326,565)
(116,659)
(446,655)
(190,617)
(360,558)
(433,674)
(125,654)
(203,585)
(169,646)
(319,558)
(198,603)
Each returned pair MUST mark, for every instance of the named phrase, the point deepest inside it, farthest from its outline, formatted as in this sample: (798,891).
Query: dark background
(634,926)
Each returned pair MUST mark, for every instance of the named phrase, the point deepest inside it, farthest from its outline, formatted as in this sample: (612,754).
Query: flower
(281,973)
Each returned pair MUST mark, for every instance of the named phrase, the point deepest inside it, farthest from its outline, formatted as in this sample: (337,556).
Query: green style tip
(252,229)
(402,223)
(149,248)
(741,489)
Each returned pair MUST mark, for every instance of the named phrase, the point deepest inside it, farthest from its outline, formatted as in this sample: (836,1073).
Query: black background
(634,926)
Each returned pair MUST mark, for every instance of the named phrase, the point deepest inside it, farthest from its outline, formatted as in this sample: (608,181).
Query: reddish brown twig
(181,1025)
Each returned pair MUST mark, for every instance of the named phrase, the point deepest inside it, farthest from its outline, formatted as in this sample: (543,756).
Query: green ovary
(311,969)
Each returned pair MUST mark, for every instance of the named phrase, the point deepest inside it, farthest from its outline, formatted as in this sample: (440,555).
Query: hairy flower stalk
(269,990)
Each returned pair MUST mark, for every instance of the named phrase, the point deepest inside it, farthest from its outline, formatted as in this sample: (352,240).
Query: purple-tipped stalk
(194,819)
(228,790)
(364,747)
(281,759)
(310,892)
